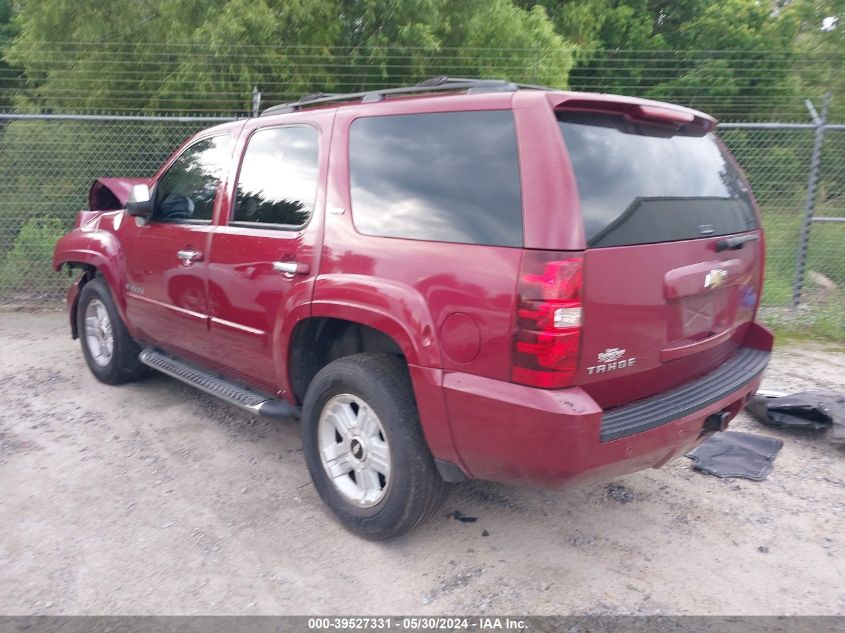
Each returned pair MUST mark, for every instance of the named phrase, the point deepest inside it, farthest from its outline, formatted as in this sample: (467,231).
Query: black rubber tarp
(807,410)
(735,454)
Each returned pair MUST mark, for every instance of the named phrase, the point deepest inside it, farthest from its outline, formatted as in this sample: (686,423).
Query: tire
(121,364)
(411,490)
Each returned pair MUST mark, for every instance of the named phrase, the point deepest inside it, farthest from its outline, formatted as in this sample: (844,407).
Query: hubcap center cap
(356,447)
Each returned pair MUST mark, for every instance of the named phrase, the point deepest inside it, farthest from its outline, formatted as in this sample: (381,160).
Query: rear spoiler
(637,109)
(111,194)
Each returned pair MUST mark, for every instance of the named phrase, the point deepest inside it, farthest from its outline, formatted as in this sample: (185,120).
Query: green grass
(27,267)
(822,311)
(822,317)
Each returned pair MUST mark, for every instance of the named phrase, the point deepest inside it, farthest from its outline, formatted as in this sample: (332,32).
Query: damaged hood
(111,194)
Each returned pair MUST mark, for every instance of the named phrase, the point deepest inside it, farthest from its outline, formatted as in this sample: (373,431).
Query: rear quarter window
(641,183)
(449,177)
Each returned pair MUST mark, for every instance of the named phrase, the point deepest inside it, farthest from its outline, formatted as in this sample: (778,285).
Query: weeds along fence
(47,163)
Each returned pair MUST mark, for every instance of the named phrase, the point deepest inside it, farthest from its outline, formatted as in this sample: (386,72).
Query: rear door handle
(188,257)
(291,268)
(734,243)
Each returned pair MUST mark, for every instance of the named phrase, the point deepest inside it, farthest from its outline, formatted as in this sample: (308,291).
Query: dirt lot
(154,498)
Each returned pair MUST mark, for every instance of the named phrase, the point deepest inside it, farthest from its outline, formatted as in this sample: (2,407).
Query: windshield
(641,183)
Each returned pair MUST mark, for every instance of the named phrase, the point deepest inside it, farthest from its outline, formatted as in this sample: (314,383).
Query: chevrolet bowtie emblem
(715,278)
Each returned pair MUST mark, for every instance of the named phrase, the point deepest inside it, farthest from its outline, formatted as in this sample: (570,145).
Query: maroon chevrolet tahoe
(461,279)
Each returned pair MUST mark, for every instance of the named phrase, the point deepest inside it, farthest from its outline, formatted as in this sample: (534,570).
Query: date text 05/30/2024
(416,624)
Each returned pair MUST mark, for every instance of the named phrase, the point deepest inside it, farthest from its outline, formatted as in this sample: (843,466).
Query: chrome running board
(255,403)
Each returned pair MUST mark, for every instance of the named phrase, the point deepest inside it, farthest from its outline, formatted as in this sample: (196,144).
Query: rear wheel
(365,449)
(111,354)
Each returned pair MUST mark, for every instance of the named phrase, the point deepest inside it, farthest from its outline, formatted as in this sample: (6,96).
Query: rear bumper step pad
(745,366)
(233,394)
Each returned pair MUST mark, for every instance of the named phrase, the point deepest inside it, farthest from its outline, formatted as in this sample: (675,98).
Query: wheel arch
(319,339)
(89,272)
(316,341)
(96,253)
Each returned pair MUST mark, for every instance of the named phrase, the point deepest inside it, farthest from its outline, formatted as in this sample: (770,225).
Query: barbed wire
(192,77)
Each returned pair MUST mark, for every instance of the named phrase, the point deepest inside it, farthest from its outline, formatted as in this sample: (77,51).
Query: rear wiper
(734,243)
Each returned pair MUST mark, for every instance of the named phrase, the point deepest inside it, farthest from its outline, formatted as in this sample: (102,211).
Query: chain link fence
(47,163)
(802,200)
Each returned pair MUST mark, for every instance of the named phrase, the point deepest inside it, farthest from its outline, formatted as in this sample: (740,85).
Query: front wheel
(365,449)
(109,350)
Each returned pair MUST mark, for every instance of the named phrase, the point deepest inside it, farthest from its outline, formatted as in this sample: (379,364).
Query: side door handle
(188,257)
(291,268)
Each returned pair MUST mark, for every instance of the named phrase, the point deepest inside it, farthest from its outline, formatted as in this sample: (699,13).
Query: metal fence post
(812,183)
(256,101)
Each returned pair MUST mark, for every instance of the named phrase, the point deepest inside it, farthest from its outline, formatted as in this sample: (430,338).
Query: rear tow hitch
(716,422)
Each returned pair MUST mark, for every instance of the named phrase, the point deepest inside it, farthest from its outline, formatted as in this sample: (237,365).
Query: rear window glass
(277,183)
(449,177)
(641,184)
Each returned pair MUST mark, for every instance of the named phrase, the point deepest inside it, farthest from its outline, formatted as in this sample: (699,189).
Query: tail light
(548,320)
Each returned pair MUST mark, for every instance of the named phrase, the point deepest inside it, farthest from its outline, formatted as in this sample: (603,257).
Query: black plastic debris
(807,410)
(460,516)
(735,454)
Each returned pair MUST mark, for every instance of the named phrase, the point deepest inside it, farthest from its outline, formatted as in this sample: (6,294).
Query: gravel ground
(153,498)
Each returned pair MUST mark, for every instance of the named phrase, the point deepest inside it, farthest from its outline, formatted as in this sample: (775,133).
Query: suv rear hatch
(673,265)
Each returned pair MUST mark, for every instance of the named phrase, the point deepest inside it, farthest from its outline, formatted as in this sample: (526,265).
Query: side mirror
(139,203)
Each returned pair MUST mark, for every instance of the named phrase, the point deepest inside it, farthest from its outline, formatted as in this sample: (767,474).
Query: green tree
(200,55)
(730,57)
(579,21)
(625,53)
(745,52)
(498,39)
(8,81)
(820,59)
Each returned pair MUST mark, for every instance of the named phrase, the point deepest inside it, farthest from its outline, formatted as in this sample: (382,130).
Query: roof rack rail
(433,84)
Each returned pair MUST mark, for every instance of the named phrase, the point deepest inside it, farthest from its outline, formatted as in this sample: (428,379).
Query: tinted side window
(641,184)
(278,179)
(450,177)
(187,189)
